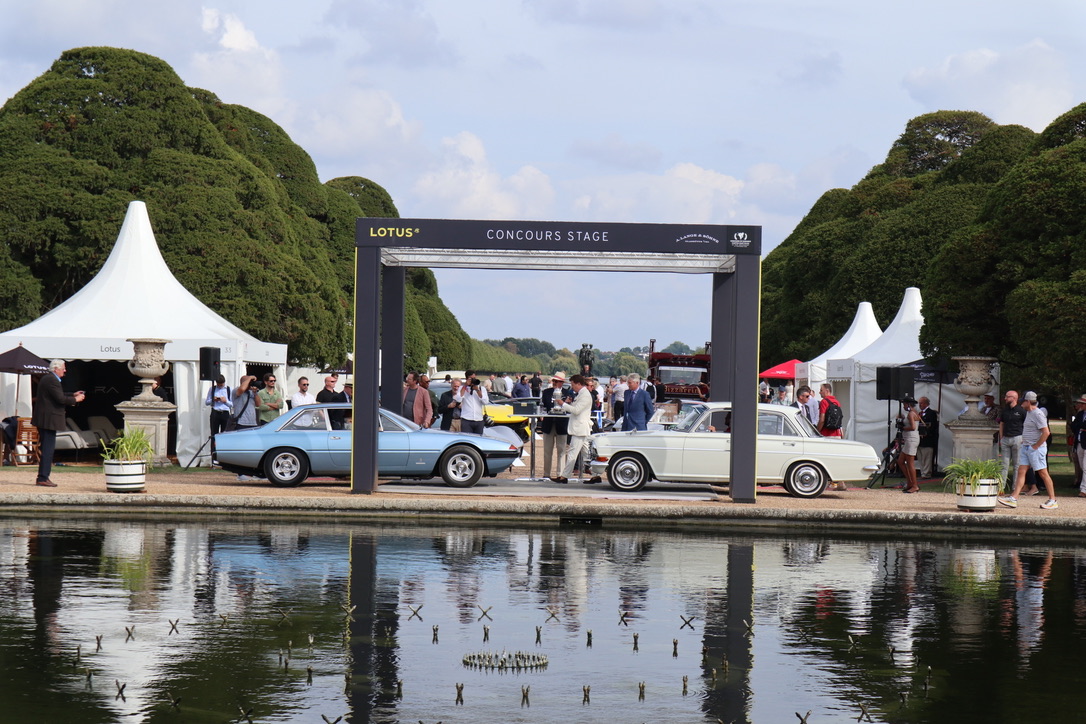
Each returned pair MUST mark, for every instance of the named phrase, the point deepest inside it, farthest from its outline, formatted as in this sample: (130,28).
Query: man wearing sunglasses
(303,396)
(269,401)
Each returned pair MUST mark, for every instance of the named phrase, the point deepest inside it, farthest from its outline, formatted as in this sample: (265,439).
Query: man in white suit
(580,425)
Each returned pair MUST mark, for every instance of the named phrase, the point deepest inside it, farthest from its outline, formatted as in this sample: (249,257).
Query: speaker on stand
(209,363)
(210,360)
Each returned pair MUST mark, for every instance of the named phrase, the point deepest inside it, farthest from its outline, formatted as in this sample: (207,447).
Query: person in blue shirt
(221,402)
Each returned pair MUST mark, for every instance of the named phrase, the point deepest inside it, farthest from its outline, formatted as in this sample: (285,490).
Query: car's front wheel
(286,467)
(806,480)
(628,472)
(461,466)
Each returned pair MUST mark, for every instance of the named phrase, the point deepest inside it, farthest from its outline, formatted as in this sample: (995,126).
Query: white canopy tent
(854,380)
(864,330)
(136,296)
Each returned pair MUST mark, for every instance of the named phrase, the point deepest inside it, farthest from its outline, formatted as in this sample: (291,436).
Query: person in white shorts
(1033,454)
(910,441)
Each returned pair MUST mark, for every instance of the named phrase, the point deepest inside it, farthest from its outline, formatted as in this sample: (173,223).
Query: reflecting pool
(217,622)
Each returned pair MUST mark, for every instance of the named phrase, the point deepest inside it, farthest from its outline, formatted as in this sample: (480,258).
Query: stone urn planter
(974,381)
(125,461)
(148,362)
(977,483)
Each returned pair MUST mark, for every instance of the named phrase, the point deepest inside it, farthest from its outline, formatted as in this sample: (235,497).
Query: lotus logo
(740,239)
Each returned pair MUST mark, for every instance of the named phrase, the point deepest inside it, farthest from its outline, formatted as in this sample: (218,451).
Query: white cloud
(613,151)
(685,193)
(464,184)
(238,69)
(818,70)
(1030,85)
(397,32)
(618,14)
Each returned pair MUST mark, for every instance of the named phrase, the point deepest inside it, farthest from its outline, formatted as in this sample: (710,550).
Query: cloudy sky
(676,111)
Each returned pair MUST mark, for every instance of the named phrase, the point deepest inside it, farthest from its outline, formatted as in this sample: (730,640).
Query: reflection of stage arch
(385,247)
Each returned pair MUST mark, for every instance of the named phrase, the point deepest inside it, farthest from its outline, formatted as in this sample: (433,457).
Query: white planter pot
(124,476)
(982,499)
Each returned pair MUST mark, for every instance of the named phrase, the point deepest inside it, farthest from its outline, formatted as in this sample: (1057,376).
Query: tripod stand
(209,437)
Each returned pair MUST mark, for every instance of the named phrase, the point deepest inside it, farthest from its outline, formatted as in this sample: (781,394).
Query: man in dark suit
(638,407)
(49,415)
(929,439)
(555,430)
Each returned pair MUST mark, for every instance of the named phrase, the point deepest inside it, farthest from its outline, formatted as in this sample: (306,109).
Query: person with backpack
(831,417)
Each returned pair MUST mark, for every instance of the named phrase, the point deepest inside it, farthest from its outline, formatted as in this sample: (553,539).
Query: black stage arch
(386,247)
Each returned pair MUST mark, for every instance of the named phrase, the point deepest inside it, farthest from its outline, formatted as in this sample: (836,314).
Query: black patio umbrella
(21,361)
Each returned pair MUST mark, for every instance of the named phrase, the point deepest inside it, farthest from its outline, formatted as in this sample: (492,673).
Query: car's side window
(717,421)
(308,420)
(389,425)
(770,423)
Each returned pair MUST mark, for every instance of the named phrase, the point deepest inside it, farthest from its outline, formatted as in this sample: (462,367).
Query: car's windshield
(805,425)
(402,422)
(680,375)
(688,420)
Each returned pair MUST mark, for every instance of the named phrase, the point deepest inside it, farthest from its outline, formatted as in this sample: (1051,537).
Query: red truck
(679,376)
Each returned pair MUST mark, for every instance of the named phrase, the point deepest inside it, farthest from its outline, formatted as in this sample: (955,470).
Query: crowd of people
(1023,433)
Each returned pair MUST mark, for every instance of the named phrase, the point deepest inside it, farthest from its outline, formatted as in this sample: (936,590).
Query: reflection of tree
(919,605)
(32,673)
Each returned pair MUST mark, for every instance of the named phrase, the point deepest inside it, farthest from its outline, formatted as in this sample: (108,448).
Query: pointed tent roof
(865,330)
(135,295)
(900,343)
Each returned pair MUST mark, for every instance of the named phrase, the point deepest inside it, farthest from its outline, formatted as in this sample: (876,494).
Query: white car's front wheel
(628,472)
(806,480)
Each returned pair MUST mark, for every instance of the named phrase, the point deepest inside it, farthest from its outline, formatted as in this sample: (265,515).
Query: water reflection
(292,622)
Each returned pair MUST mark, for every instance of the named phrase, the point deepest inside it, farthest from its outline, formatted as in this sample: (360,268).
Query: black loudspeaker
(894,383)
(209,363)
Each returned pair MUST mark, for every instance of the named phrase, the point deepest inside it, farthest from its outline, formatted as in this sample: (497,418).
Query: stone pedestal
(973,439)
(153,417)
(974,434)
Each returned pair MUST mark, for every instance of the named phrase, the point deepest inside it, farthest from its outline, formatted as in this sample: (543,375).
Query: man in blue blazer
(638,408)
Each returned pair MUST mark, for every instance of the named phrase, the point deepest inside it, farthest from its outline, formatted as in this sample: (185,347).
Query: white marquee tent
(854,381)
(864,330)
(136,296)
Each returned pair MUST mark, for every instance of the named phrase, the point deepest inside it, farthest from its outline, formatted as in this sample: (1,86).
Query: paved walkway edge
(733,516)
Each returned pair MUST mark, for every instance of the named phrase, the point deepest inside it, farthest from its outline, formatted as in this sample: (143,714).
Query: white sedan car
(697,449)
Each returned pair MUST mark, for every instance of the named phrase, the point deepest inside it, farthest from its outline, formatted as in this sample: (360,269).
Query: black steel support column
(366,321)
(393,303)
(745,326)
(723,339)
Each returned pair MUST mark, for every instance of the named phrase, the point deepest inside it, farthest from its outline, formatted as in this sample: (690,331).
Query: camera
(900,424)
(474,382)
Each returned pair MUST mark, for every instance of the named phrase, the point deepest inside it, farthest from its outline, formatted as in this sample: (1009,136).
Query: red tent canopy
(783,371)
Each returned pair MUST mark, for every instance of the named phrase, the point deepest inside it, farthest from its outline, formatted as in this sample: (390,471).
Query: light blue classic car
(316,440)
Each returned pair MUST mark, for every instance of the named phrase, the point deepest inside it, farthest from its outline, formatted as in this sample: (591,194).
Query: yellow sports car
(504,411)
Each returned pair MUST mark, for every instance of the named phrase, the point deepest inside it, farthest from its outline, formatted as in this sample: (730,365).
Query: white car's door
(778,445)
(707,449)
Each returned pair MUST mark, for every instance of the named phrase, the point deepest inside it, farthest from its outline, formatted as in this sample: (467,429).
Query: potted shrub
(125,461)
(976,483)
